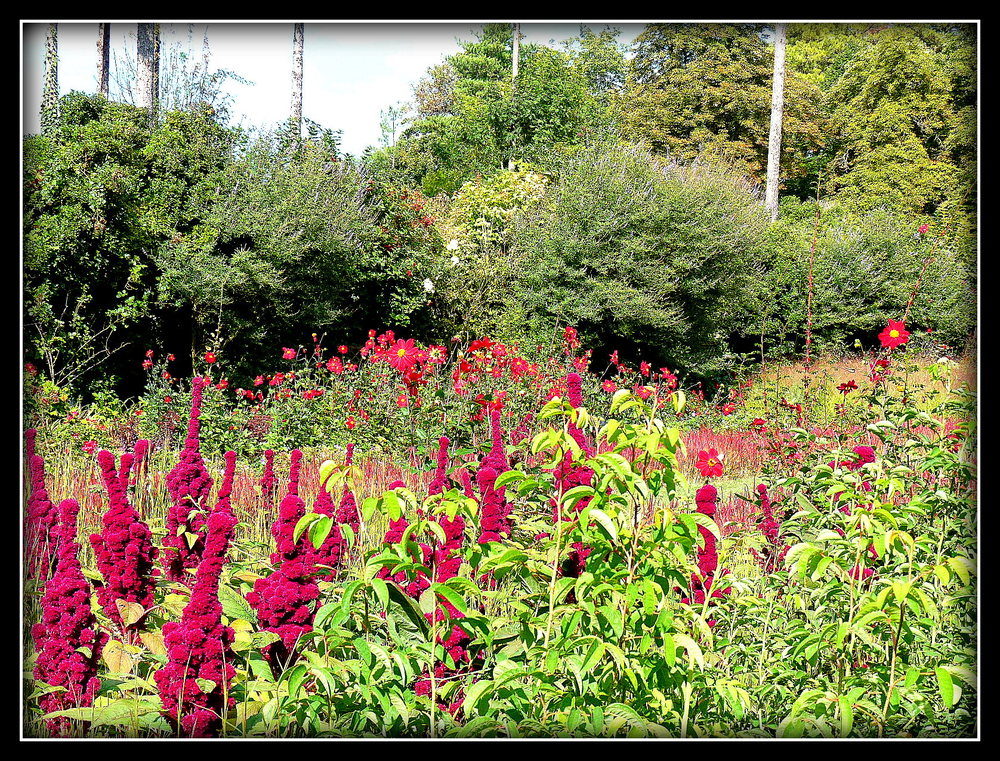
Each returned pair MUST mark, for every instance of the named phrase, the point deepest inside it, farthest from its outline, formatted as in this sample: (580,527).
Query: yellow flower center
(894,333)
(401,353)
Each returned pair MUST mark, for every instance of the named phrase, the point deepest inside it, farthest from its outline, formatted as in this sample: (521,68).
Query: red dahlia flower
(709,463)
(894,335)
(403,355)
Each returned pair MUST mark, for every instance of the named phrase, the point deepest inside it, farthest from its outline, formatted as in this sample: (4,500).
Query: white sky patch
(351,72)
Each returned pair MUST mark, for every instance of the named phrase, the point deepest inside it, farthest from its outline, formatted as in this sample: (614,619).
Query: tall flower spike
(223,502)
(40,522)
(440,483)
(189,484)
(294,469)
(268,482)
(194,685)
(126,470)
(67,642)
(124,552)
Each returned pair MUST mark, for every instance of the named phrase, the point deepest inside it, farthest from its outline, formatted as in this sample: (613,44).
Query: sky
(351,71)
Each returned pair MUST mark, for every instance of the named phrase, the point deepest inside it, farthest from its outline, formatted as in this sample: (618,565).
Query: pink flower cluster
(124,549)
(67,643)
(194,685)
(189,484)
(42,516)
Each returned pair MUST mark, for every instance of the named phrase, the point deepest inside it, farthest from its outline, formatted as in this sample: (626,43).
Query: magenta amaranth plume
(123,550)
(67,628)
(199,647)
(223,501)
(125,471)
(440,483)
(189,484)
(703,582)
(284,599)
(568,475)
(269,482)
(40,522)
(294,469)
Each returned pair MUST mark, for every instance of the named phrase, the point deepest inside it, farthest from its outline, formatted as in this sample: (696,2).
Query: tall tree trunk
(50,83)
(515,57)
(298,38)
(777,108)
(148,49)
(103,57)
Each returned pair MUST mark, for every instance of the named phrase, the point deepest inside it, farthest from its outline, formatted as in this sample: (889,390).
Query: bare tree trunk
(103,57)
(156,71)
(148,80)
(298,38)
(50,83)
(777,108)
(516,56)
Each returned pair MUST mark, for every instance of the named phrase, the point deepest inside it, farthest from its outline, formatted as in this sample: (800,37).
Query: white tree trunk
(50,82)
(777,108)
(516,56)
(148,80)
(103,57)
(298,38)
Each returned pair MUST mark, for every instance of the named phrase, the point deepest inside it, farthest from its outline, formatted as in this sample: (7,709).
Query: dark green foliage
(867,266)
(636,251)
(705,90)
(471,118)
(186,235)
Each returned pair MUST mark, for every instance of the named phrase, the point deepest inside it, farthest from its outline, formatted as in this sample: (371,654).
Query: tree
(893,107)
(648,256)
(469,123)
(50,83)
(777,105)
(298,36)
(186,81)
(148,53)
(704,91)
(103,57)
(600,57)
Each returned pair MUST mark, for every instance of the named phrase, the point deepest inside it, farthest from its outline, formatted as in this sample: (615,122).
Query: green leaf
(427,602)
(320,530)
(946,686)
(381,592)
(302,524)
(234,606)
